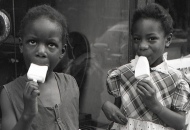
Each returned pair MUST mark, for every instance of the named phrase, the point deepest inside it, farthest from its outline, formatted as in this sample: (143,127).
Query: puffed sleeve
(113,82)
(180,96)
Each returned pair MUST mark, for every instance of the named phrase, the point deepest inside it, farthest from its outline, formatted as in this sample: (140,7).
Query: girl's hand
(30,99)
(113,113)
(147,92)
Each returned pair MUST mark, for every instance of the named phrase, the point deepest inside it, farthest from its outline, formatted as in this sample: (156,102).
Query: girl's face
(42,43)
(149,40)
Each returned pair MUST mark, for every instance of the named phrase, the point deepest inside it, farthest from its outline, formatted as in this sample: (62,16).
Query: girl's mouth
(41,64)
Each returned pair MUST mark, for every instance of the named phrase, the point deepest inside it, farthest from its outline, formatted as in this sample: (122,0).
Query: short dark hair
(157,12)
(46,11)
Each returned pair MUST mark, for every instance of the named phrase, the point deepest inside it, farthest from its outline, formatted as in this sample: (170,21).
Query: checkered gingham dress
(172,92)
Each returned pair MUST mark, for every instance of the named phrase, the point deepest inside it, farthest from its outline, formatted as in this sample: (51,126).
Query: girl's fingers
(117,119)
(149,83)
(30,87)
(140,92)
(122,118)
(143,90)
(26,88)
(148,87)
(35,93)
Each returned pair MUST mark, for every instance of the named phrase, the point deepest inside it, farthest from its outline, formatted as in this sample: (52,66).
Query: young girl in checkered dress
(158,103)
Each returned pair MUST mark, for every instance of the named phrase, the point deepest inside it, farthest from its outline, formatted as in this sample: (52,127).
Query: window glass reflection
(180,14)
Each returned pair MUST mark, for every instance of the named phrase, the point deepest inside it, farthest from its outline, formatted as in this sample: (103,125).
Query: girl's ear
(64,48)
(63,51)
(169,39)
(20,45)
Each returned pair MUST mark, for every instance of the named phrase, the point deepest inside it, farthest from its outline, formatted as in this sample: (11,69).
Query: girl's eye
(136,39)
(51,45)
(32,42)
(152,38)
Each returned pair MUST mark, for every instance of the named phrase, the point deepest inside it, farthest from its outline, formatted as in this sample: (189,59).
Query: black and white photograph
(94,64)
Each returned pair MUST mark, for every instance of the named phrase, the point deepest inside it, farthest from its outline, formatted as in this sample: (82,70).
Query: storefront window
(105,26)
(180,14)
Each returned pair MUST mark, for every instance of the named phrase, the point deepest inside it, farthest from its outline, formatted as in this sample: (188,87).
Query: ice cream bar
(142,69)
(37,73)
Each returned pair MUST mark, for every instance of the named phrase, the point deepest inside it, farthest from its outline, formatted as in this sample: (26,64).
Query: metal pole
(14,36)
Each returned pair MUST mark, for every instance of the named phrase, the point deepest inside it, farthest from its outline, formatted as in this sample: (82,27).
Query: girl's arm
(112,111)
(9,121)
(147,93)
(173,119)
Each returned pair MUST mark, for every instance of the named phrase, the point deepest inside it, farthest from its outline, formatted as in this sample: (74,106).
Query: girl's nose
(143,45)
(41,51)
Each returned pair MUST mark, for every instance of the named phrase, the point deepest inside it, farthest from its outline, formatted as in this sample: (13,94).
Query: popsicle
(37,73)
(142,69)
